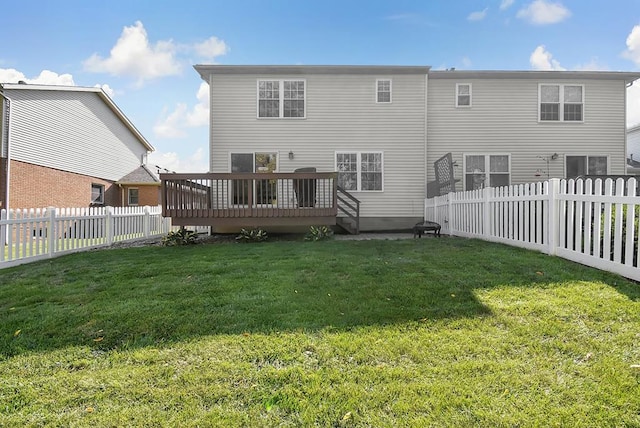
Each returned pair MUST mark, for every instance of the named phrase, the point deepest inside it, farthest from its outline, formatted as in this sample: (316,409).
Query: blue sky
(142,51)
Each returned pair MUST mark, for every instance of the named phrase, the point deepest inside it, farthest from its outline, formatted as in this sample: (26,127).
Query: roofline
(635,127)
(207,69)
(99,91)
(627,76)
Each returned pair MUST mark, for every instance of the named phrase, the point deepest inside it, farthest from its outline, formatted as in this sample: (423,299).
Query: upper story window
(463,94)
(383,91)
(359,171)
(281,98)
(561,103)
(97,193)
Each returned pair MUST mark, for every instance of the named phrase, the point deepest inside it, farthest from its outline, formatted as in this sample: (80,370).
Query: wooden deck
(250,199)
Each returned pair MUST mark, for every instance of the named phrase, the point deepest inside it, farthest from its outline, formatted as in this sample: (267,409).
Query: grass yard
(432,332)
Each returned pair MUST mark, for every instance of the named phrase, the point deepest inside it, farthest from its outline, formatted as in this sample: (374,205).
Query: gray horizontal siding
(72,131)
(504,119)
(341,115)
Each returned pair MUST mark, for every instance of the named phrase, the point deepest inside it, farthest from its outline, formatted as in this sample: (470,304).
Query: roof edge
(627,76)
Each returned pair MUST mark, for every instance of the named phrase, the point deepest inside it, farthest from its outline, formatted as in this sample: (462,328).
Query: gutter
(8,133)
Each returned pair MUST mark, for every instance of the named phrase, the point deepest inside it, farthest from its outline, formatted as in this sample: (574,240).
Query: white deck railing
(29,235)
(590,222)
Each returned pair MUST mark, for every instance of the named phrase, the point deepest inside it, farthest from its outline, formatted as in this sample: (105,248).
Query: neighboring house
(633,150)
(383,127)
(70,146)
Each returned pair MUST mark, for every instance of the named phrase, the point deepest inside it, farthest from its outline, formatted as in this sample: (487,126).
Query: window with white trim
(481,170)
(576,166)
(383,91)
(360,171)
(133,196)
(463,94)
(561,103)
(97,194)
(281,98)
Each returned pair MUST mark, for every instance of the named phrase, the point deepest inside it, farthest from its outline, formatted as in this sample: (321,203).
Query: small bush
(181,236)
(252,235)
(318,233)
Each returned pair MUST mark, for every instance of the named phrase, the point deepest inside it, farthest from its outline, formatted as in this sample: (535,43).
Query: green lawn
(432,332)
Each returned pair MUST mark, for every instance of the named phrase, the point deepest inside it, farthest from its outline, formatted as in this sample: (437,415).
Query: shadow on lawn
(363,288)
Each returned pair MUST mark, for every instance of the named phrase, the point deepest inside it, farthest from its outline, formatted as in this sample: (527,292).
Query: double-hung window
(463,94)
(585,165)
(486,170)
(133,196)
(383,91)
(97,194)
(281,98)
(360,171)
(561,103)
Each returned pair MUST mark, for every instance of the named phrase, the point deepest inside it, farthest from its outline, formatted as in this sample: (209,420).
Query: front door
(264,191)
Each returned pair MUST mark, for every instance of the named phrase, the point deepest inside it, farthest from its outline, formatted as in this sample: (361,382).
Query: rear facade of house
(381,128)
(69,147)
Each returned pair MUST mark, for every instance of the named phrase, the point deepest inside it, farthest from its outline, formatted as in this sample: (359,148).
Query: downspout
(8,134)
(426,130)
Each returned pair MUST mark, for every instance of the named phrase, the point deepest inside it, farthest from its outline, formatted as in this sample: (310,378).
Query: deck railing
(250,199)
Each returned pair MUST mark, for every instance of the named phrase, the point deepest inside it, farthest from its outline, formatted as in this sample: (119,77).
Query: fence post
(450,213)
(146,222)
(486,212)
(3,233)
(51,231)
(109,224)
(553,216)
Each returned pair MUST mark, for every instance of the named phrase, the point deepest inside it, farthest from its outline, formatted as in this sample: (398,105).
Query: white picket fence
(590,222)
(29,235)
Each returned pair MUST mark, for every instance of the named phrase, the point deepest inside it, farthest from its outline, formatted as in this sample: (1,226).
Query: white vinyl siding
(72,131)
(340,115)
(504,119)
(383,91)
(463,95)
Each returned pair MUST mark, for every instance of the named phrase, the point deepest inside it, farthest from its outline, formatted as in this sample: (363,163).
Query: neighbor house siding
(72,131)
(633,143)
(341,115)
(504,119)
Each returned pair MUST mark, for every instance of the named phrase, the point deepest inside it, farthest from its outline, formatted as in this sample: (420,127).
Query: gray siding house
(64,146)
(381,128)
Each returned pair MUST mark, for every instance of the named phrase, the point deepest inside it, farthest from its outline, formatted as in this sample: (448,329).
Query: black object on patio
(305,188)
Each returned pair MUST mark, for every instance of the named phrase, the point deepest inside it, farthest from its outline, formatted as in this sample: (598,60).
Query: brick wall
(34,186)
(147,195)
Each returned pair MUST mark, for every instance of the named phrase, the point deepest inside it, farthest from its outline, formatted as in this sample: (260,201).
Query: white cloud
(46,77)
(196,162)
(633,45)
(211,48)
(478,16)
(107,89)
(174,124)
(134,56)
(593,65)
(506,4)
(541,59)
(543,12)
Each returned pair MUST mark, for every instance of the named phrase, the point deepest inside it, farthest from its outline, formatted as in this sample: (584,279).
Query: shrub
(318,233)
(252,235)
(181,236)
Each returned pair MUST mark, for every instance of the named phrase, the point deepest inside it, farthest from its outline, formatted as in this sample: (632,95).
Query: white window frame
(100,199)
(359,168)
(458,105)
(487,168)
(281,98)
(129,203)
(561,102)
(586,159)
(378,92)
